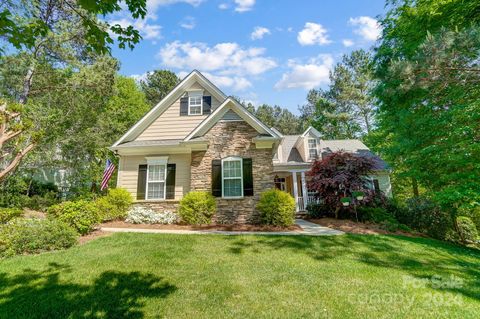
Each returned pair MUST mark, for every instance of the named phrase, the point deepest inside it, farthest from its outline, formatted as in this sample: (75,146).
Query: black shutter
(207,104)
(217,178)
(142,181)
(171,168)
(247,177)
(184,106)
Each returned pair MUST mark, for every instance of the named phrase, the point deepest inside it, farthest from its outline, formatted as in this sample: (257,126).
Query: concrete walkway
(308,228)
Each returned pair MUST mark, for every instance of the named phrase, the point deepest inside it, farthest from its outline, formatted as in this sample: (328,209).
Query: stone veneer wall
(226,139)
(158,206)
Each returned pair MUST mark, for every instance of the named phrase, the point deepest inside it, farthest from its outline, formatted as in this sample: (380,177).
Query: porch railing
(302,202)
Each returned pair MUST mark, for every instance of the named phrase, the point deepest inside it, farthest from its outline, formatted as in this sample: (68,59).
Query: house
(197,138)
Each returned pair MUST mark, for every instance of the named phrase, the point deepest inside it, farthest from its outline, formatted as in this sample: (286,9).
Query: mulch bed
(353,227)
(234,227)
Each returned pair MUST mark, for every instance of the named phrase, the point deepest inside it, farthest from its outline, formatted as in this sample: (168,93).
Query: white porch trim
(295,190)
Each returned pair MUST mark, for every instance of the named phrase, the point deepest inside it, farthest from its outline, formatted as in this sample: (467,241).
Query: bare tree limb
(14,163)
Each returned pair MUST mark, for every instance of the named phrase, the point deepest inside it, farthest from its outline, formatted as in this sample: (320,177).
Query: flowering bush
(142,215)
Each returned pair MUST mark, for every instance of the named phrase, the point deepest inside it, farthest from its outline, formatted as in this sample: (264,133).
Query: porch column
(304,190)
(295,189)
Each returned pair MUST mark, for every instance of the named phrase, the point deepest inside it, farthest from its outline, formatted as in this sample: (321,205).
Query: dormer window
(195,103)
(312,148)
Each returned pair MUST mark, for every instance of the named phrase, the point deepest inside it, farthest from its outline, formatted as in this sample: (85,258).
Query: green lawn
(199,276)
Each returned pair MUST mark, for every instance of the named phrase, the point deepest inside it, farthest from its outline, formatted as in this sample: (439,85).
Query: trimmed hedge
(197,208)
(276,208)
(115,204)
(28,236)
(81,215)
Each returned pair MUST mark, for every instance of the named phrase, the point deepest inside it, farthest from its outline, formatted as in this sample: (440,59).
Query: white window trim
(162,160)
(229,159)
(195,94)
(311,148)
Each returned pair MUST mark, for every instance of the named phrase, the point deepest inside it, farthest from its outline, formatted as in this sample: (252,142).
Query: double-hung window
(232,177)
(195,103)
(156,178)
(312,148)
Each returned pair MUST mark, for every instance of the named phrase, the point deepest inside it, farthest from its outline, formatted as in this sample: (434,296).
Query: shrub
(375,214)
(142,215)
(466,229)
(473,213)
(115,204)
(41,202)
(197,208)
(81,215)
(28,236)
(276,208)
(7,214)
(424,216)
(317,210)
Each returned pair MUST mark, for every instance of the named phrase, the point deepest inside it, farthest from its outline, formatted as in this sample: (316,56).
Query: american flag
(107,173)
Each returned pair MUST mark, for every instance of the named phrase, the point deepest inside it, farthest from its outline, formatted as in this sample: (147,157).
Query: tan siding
(128,174)
(301,149)
(384,183)
(170,125)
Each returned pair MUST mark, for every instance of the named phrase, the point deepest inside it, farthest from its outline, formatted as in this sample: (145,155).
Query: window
(232,177)
(156,181)
(312,148)
(280,183)
(195,104)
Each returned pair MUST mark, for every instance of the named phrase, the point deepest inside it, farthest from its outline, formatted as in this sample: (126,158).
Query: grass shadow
(418,257)
(43,294)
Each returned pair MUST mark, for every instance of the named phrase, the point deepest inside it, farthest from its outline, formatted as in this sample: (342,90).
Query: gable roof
(174,94)
(352,146)
(231,104)
(312,130)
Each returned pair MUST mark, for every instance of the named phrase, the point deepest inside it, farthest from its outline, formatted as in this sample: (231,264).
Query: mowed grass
(200,276)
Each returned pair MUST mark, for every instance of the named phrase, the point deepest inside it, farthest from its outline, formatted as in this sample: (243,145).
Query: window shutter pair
(142,181)
(217,177)
(207,105)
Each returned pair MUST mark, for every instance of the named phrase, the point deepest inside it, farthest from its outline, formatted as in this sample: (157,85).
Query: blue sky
(262,51)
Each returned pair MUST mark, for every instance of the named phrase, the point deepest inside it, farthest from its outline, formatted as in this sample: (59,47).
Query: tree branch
(14,163)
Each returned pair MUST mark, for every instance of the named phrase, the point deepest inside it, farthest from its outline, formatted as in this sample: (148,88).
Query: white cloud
(147,31)
(309,75)
(313,33)
(153,5)
(226,64)
(290,29)
(347,43)
(188,23)
(244,5)
(259,33)
(139,77)
(368,28)
(236,83)
(223,6)
(224,58)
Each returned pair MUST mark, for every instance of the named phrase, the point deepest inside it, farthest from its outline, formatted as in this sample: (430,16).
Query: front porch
(294,182)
